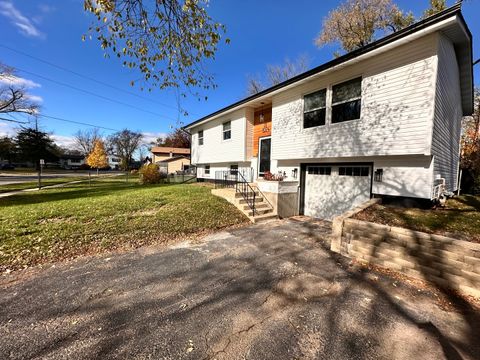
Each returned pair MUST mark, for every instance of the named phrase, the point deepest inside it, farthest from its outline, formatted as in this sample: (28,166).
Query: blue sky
(261,33)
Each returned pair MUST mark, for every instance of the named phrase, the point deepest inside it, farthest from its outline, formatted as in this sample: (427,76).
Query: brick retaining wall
(438,259)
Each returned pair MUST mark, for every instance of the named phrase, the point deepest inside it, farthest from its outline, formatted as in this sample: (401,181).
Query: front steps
(263,210)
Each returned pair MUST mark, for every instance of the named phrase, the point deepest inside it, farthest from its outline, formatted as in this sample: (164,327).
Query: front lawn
(61,223)
(460,218)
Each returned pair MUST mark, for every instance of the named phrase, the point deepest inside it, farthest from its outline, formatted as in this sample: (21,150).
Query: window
(75,161)
(233,169)
(319,170)
(346,101)
(207,169)
(227,130)
(353,170)
(314,109)
(200,137)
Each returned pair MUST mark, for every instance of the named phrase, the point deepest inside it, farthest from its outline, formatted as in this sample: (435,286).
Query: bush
(150,174)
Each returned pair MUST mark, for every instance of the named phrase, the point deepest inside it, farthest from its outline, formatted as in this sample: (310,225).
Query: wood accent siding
(261,129)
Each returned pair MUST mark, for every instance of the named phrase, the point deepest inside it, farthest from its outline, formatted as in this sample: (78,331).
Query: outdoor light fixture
(262,117)
(378,175)
(294,173)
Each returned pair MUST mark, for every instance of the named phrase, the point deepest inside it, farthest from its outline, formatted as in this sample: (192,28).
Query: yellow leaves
(98,157)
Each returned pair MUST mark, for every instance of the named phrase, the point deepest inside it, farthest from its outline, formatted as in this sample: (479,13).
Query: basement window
(314,109)
(347,101)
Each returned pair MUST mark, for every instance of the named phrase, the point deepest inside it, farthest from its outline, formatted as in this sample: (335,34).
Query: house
(71,161)
(113,161)
(171,159)
(383,120)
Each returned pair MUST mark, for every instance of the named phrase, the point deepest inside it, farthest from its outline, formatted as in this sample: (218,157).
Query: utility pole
(38,160)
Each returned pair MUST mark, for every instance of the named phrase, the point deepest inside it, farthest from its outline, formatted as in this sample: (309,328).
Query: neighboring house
(383,120)
(171,159)
(72,161)
(114,161)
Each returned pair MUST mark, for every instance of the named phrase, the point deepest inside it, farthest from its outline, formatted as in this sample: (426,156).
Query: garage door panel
(327,196)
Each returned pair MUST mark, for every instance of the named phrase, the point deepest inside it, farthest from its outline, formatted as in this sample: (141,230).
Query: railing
(229,178)
(240,181)
(248,193)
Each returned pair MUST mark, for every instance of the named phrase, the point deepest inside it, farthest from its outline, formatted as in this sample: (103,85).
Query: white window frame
(206,170)
(200,138)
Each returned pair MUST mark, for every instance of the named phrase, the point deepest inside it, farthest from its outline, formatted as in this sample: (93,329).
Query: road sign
(42,162)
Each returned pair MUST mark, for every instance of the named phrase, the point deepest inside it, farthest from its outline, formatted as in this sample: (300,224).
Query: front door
(264,155)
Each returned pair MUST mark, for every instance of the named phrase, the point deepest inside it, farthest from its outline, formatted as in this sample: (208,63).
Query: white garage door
(332,190)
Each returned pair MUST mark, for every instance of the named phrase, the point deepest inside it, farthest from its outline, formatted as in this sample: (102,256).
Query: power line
(59,119)
(95,94)
(88,77)
(76,122)
(14,121)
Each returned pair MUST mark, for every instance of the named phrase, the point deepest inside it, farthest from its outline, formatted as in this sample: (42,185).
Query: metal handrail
(248,193)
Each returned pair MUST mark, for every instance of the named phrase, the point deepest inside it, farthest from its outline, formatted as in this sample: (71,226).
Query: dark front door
(264,156)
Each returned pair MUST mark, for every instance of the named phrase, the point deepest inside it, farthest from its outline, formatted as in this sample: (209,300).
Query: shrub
(150,174)
(271,177)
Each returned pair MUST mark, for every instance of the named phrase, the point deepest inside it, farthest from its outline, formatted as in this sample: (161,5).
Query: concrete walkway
(266,291)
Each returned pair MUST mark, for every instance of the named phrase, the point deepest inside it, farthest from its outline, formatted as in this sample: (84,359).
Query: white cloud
(13,80)
(64,141)
(35,98)
(7,129)
(149,137)
(24,24)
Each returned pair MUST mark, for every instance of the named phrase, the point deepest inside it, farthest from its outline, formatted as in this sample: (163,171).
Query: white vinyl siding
(408,176)
(397,109)
(214,148)
(448,116)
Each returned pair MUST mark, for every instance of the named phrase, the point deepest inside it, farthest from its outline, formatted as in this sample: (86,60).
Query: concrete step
(258,199)
(239,195)
(263,217)
(261,206)
(259,212)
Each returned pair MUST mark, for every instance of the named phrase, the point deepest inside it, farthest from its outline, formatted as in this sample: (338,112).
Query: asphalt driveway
(267,291)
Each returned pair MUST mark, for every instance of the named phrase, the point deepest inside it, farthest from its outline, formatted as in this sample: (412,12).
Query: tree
(8,149)
(13,93)
(470,142)
(177,138)
(167,41)
(435,7)
(34,145)
(124,143)
(275,74)
(85,140)
(97,158)
(355,22)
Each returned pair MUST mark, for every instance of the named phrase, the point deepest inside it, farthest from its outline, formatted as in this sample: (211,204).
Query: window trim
(200,138)
(225,131)
(326,88)
(206,170)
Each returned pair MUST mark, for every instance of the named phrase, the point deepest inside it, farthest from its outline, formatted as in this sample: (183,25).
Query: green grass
(61,223)
(34,184)
(460,218)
